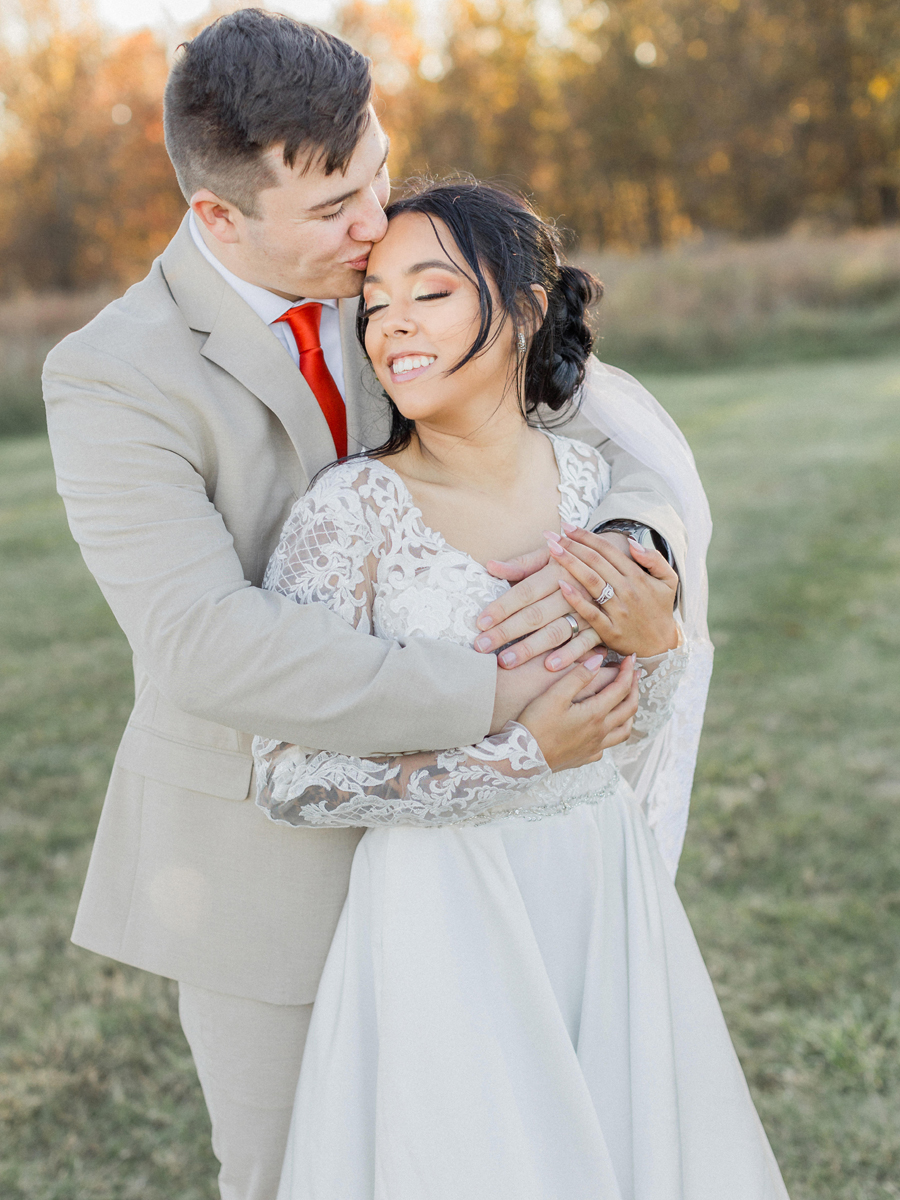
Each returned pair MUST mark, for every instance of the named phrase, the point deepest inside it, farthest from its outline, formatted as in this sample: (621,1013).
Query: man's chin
(351,283)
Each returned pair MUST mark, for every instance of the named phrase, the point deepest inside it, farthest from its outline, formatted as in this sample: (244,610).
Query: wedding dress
(514,1006)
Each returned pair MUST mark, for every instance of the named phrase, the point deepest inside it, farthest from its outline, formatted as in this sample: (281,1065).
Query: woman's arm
(328,554)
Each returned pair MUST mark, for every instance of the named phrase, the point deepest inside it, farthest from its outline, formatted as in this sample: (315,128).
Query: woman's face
(423,317)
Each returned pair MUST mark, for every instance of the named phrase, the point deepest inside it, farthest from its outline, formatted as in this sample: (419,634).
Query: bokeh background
(731,170)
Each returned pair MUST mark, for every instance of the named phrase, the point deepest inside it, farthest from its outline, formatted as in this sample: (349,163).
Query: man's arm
(128,469)
(636,493)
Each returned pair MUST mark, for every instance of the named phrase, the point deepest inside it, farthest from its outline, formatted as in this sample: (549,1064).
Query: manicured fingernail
(551,536)
(554,663)
(508,658)
(566,588)
(635,544)
(555,549)
(482,643)
(484,622)
(567,527)
(594,662)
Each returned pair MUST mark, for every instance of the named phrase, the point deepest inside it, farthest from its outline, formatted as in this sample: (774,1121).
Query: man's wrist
(643,534)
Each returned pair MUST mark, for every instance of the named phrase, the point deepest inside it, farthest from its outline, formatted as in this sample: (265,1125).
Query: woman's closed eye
(377,305)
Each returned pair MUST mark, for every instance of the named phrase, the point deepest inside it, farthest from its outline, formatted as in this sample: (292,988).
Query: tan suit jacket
(182,434)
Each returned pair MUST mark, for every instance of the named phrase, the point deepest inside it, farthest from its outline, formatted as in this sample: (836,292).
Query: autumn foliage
(638,122)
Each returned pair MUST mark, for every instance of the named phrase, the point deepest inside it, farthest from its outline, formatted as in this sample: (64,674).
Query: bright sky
(162,14)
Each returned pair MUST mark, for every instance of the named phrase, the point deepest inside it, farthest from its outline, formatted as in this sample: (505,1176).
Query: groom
(184,421)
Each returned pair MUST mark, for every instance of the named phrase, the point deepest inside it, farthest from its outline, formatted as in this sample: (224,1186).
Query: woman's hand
(517,688)
(572,731)
(639,616)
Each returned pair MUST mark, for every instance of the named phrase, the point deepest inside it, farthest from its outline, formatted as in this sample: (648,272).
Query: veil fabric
(661,770)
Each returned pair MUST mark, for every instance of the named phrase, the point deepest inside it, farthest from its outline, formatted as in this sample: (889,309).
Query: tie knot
(303,323)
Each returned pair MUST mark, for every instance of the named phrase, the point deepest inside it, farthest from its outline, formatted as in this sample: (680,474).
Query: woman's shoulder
(580,462)
(360,481)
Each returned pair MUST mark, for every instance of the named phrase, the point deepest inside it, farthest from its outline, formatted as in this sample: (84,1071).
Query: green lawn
(791,872)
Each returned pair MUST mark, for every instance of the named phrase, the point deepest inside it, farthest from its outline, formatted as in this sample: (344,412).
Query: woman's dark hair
(499,235)
(256,79)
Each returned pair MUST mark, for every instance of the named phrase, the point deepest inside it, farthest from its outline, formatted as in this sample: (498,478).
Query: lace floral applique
(354,543)
(357,543)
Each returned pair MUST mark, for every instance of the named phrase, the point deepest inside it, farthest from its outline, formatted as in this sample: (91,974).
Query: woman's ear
(536,311)
(540,294)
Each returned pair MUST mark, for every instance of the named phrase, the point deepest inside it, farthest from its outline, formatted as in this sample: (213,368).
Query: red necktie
(303,323)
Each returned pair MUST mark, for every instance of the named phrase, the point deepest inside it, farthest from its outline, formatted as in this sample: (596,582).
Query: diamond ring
(606,594)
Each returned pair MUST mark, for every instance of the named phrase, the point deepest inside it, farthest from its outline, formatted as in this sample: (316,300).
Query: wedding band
(606,594)
(573,621)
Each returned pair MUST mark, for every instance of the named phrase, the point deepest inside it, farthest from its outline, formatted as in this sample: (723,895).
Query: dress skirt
(519,1011)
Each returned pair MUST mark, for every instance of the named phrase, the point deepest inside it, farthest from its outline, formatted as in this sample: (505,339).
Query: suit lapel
(368,416)
(244,346)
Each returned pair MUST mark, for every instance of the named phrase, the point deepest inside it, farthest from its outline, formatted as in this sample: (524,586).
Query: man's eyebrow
(441,264)
(346,195)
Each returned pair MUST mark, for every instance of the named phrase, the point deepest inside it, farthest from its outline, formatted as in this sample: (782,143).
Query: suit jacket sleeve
(637,493)
(131,471)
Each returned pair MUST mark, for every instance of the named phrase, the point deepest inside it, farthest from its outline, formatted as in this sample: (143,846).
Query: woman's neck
(492,459)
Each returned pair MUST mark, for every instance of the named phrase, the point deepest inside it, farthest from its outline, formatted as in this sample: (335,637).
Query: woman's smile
(404,367)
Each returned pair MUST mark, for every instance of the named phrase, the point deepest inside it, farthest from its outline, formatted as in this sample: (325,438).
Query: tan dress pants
(247,1055)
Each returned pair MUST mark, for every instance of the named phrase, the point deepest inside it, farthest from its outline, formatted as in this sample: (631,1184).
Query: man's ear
(219,218)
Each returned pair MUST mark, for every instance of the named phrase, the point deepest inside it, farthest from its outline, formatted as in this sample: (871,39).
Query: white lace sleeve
(657,687)
(329,553)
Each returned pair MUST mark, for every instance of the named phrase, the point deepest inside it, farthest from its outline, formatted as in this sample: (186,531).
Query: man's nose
(372,223)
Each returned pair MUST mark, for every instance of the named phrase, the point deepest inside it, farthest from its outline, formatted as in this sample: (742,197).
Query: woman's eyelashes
(375,306)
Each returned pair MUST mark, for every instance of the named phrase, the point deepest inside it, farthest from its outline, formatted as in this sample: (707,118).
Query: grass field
(791,873)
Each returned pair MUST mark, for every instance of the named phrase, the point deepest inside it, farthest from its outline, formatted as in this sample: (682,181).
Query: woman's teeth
(402,366)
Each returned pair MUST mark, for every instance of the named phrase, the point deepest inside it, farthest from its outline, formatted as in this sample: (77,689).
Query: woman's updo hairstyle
(500,236)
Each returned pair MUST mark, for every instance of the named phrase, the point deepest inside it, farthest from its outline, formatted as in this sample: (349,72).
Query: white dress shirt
(269,307)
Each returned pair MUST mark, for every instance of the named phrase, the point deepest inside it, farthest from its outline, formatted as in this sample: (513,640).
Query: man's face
(313,232)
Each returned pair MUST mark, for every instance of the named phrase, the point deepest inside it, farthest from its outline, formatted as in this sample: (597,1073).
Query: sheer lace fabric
(357,543)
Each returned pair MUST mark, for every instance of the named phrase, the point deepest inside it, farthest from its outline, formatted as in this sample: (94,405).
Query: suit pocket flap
(194,768)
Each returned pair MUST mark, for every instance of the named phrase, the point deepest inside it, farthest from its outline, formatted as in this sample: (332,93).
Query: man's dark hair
(255,79)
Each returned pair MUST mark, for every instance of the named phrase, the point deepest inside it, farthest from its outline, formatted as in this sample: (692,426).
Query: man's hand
(639,616)
(572,732)
(533,609)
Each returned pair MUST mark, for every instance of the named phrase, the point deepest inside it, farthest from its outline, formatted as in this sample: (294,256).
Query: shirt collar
(267,306)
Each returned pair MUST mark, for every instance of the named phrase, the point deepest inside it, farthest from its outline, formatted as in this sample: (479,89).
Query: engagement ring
(606,594)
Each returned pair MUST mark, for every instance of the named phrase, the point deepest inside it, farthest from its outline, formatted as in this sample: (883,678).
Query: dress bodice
(358,543)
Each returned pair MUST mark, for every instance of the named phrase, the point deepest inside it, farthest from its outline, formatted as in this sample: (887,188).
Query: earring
(521,343)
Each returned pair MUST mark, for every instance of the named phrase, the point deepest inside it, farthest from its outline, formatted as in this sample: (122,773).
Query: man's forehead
(308,172)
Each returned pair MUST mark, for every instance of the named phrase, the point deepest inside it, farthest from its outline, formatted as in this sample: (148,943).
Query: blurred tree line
(638,122)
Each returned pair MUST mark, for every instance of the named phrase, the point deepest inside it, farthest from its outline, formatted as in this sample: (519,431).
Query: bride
(513,1006)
